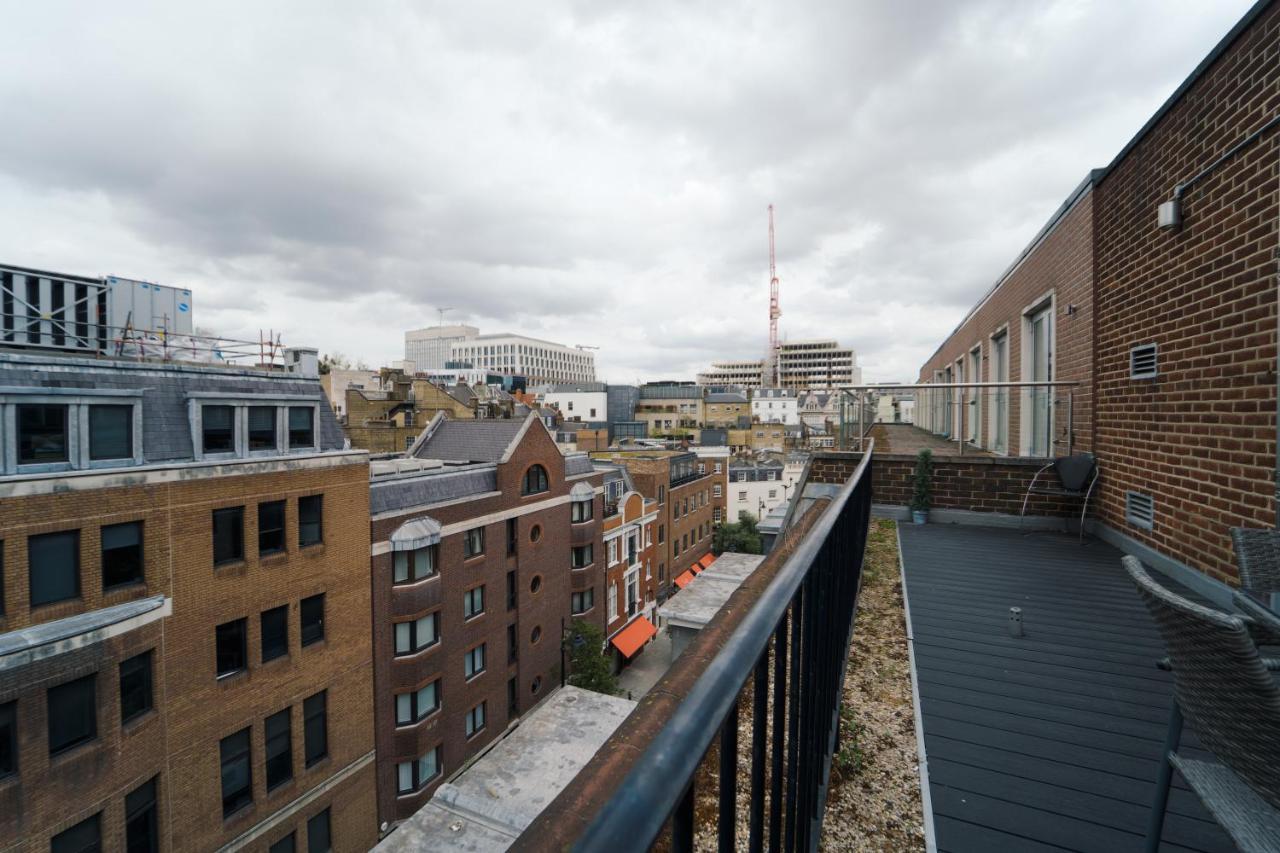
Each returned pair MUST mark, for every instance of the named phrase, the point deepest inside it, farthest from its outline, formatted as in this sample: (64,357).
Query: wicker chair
(1076,476)
(1258,557)
(1224,687)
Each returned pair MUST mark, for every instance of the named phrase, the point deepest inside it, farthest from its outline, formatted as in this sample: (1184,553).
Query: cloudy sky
(591,172)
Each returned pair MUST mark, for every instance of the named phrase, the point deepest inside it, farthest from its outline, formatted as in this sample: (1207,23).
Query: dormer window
(44,430)
(236,427)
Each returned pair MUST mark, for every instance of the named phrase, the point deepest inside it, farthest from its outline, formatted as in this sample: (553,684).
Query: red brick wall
(977,483)
(1062,264)
(1200,438)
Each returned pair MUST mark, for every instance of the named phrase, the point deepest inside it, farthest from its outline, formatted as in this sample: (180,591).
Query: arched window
(535,480)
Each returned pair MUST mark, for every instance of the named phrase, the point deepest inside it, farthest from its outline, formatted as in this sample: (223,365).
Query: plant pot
(919,516)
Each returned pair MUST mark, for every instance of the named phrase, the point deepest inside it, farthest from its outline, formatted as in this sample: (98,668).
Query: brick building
(389,419)
(631,567)
(726,409)
(685,505)
(714,461)
(1170,328)
(184,631)
(484,542)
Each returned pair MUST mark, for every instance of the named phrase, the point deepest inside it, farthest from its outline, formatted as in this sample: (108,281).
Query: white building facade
(429,349)
(580,401)
(538,360)
(757,487)
(744,373)
(775,406)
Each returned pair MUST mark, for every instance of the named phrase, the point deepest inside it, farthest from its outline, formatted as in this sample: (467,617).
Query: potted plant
(921,483)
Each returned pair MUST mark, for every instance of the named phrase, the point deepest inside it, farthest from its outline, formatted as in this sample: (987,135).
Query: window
(413,637)
(473,662)
(318,833)
(135,686)
(718,468)
(511,590)
(715,513)
(228,535)
(237,772)
(8,738)
(513,645)
(412,707)
(613,602)
(535,585)
(513,536)
(110,432)
(413,566)
(716,491)
(662,494)
(535,635)
(217,425)
(284,845)
(662,534)
(230,639)
(684,542)
(475,719)
(612,545)
(279,749)
(84,837)
(535,533)
(473,543)
(412,775)
(121,554)
(773,493)
(275,633)
(262,428)
(473,602)
(302,427)
(315,727)
(42,434)
(582,511)
(535,480)
(581,602)
(742,475)
(742,496)
(310,520)
(270,528)
(582,556)
(54,566)
(140,833)
(702,468)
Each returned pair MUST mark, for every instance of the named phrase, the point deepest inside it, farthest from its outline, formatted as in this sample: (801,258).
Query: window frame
(9,737)
(411,561)
(76,568)
(417,711)
(282,506)
(469,670)
(414,646)
(309,715)
(94,821)
(141,576)
(223,512)
(147,809)
(302,620)
(146,668)
(417,780)
(77,403)
(283,758)
(469,543)
(242,624)
(284,404)
(66,688)
(577,599)
(470,726)
(230,752)
(280,620)
(318,522)
(470,610)
(541,481)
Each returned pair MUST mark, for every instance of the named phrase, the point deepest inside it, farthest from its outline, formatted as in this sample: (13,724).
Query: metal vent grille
(1139,509)
(1142,362)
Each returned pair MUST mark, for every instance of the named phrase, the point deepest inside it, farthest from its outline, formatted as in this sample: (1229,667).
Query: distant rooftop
(468,440)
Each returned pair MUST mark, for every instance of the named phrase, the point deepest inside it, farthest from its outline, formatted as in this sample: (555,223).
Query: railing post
(759,726)
(727,825)
(682,822)
(779,731)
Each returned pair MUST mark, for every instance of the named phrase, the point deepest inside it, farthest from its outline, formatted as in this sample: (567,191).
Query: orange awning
(684,580)
(696,569)
(707,560)
(631,638)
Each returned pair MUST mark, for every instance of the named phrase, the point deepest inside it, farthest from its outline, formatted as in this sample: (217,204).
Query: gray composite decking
(1049,741)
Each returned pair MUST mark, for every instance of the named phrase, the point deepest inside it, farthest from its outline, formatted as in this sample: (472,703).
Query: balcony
(1045,740)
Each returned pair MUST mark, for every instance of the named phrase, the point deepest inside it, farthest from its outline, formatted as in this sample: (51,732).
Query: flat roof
(490,803)
(699,602)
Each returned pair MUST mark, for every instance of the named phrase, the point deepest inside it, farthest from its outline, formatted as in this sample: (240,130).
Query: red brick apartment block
(686,505)
(184,554)
(1170,330)
(485,542)
(631,570)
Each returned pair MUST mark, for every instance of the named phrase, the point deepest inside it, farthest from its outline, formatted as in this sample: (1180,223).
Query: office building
(431,349)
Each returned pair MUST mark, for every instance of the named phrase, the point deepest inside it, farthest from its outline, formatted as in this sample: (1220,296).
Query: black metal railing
(805,618)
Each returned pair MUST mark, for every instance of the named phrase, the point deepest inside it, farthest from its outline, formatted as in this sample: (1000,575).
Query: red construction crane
(774,311)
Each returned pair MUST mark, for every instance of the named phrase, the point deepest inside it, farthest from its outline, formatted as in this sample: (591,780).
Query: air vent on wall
(1139,509)
(1142,362)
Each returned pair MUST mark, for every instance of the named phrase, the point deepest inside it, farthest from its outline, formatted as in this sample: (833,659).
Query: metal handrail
(653,789)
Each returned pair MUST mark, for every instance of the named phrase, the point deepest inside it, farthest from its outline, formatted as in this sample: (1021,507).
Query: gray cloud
(592,172)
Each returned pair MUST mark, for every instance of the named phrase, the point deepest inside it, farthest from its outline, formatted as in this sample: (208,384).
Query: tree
(741,537)
(334,361)
(588,668)
(922,481)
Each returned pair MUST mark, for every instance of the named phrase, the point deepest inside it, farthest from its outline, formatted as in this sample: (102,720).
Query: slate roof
(462,393)
(726,398)
(577,463)
(166,429)
(429,487)
(470,441)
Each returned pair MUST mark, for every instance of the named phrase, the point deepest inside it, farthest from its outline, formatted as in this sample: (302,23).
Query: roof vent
(1142,362)
(1139,510)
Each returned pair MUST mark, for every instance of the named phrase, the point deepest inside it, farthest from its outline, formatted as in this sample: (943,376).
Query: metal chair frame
(1062,492)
